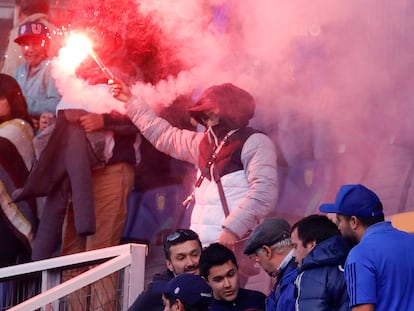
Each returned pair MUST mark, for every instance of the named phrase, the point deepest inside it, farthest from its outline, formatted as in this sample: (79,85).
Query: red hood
(236,106)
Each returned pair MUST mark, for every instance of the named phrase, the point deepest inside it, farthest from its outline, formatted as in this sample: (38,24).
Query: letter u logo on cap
(36,29)
(23,29)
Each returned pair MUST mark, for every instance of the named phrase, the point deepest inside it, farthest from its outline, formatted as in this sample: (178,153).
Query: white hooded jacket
(251,193)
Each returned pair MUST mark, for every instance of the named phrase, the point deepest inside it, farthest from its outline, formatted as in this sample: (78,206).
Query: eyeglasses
(185,233)
(177,237)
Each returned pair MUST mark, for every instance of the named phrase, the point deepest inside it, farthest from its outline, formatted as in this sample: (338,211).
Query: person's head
(310,231)
(30,7)
(269,244)
(182,250)
(226,105)
(356,208)
(12,102)
(33,38)
(218,265)
(185,292)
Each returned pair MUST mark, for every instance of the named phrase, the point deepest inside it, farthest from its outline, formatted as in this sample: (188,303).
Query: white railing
(130,258)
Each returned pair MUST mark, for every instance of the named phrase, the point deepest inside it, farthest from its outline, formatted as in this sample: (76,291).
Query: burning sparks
(77,48)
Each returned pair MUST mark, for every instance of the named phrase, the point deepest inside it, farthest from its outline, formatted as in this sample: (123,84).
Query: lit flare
(77,48)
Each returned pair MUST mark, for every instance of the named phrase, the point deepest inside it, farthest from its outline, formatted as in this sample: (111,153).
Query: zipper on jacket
(297,284)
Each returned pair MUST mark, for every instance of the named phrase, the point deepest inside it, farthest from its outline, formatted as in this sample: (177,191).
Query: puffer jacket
(251,191)
(282,296)
(321,282)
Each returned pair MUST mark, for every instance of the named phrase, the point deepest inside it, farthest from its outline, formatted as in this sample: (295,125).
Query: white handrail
(68,260)
(128,256)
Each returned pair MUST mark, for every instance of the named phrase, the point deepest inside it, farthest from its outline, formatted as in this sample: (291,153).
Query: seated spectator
(271,247)
(218,266)
(182,250)
(34,76)
(185,292)
(320,252)
(18,222)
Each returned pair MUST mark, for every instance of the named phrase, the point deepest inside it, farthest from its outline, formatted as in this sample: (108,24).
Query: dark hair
(29,7)
(215,255)
(10,89)
(178,237)
(316,228)
(172,300)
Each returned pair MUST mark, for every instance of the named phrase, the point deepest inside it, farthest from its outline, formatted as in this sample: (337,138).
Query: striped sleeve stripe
(352,281)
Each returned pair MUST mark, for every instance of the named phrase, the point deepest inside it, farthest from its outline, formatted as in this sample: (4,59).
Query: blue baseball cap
(192,290)
(33,29)
(354,200)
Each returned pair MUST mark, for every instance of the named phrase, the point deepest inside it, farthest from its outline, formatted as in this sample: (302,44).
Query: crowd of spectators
(67,173)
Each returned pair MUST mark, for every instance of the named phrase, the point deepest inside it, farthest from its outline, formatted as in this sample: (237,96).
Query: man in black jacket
(182,250)
(219,267)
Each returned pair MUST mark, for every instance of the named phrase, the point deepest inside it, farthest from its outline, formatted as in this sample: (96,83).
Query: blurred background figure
(34,75)
(18,221)
(27,11)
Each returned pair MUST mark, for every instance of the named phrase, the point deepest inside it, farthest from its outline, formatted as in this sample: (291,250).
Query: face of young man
(300,251)
(344,225)
(224,281)
(34,50)
(184,258)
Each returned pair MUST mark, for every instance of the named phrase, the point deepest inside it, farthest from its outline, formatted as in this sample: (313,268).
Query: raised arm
(178,143)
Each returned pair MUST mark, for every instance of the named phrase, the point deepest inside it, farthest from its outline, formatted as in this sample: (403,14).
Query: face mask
(210,119)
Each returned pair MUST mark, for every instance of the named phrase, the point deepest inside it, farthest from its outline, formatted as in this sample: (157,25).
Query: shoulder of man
(149,300)
(164,276)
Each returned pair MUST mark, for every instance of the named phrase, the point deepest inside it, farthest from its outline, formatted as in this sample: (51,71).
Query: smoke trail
(332,79)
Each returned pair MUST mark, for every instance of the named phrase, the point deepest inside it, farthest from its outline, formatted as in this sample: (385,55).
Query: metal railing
(127,262)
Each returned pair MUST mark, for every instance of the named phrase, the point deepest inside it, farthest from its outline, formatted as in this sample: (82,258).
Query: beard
(352,240)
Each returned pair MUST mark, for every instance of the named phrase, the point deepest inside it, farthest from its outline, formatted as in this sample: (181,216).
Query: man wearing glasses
(182,250)
(271,247)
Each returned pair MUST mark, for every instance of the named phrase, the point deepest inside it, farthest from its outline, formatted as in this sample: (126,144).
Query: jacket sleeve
(260,166)
(119,124)
(178,143)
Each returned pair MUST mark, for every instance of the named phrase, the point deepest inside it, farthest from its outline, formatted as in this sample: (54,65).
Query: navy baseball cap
(34,29)
(354,200)
(192,290)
